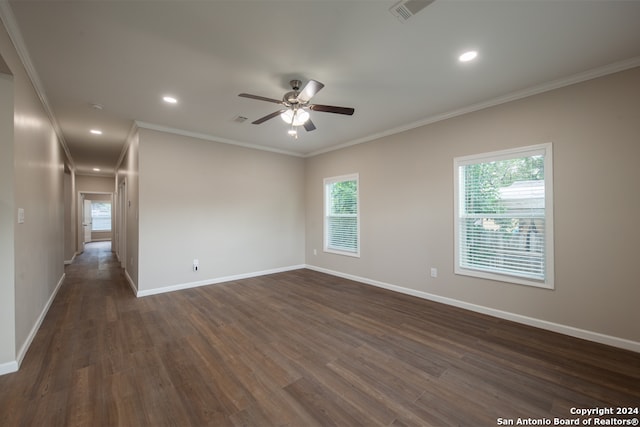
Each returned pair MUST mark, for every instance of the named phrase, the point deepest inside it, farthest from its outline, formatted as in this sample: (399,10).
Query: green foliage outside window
(344,197)
(483,181)
(342,216)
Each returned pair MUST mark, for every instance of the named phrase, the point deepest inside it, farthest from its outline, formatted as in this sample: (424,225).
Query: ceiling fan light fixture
(296,117)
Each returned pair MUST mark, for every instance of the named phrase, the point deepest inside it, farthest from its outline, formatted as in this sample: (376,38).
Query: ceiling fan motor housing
(291,98)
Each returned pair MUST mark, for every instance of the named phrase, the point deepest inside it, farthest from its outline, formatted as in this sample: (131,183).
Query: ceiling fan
(297,103)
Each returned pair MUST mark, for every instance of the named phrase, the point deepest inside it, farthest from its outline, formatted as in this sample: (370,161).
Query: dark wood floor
(294,349)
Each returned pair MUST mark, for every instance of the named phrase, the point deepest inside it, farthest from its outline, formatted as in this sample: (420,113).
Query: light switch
(20,216)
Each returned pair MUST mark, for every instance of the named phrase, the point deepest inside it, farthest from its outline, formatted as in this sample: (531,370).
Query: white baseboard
(25,347)
(9,367)
(70,261)
(134,288)
(122,264)
(216,280)
(518,318)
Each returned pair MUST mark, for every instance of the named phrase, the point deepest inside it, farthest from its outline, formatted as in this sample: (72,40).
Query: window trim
(325,214)
(546,150)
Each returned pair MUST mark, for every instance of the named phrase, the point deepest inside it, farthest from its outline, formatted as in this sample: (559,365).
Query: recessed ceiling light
(468,56)
(169,99)
(96,131)
(96,169)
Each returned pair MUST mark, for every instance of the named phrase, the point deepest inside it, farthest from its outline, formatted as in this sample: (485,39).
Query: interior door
(86,220)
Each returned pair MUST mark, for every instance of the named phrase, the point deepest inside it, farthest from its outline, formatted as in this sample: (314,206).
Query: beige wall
(237,210)
(95,184)
(406,184)
(38,189)
(7,221)
(128,172)
(4,68)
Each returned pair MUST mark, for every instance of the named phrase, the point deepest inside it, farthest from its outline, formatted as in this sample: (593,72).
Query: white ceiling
(125,55)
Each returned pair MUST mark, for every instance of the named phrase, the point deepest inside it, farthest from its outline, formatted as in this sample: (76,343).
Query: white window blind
(504,224)
(341,226)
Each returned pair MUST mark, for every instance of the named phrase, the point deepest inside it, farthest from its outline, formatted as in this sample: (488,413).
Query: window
(504,216)
(100,216)
(341,222)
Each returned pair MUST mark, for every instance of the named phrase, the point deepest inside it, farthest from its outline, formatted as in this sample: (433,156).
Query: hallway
(61,378)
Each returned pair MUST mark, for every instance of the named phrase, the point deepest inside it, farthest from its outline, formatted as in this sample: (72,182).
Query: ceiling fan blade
(268,117)
(332,109)
(309,126)
(260,98)
(309,90)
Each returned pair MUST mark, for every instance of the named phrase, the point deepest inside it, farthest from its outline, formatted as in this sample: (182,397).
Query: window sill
(546,284)
(345,253)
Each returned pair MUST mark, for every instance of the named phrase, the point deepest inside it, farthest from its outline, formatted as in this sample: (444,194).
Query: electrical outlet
(196,265)
(434,272)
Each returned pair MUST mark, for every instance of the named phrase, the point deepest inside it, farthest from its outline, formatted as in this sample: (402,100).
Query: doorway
(96,218)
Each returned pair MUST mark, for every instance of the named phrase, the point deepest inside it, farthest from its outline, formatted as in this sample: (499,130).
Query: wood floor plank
(219,374)
(299,348)
(321,403)
(384,396)
(360,404)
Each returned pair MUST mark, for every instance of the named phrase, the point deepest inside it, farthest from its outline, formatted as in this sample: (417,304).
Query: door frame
(120,236)
(79,217)
(87,221)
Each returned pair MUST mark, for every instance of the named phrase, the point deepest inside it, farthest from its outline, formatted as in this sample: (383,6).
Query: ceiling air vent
(405,9)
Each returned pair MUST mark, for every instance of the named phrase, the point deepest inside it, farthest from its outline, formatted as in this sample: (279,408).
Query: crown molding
(9,21)
(513,96)
(207,137)
(125,146)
